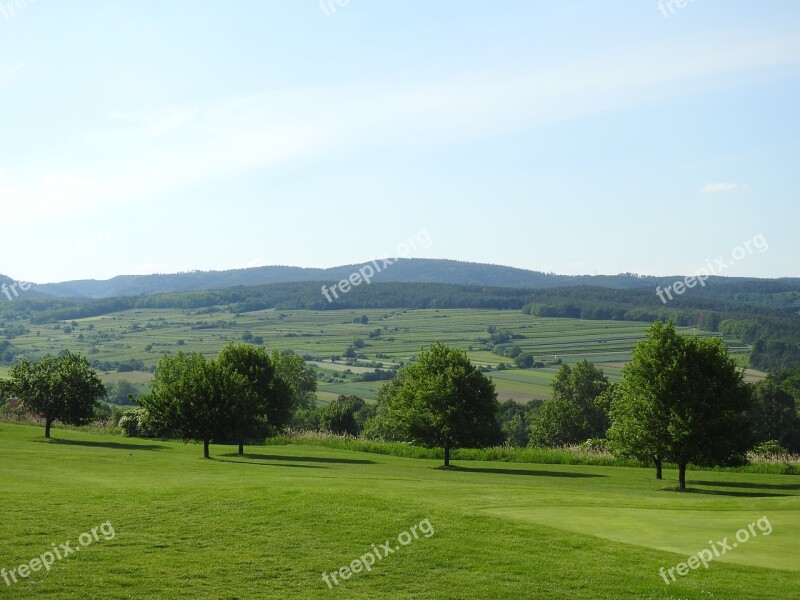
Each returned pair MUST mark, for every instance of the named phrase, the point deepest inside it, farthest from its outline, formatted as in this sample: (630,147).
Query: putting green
(685,532)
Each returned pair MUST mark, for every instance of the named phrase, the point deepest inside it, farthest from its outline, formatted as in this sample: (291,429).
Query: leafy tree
(267,406)
(578,409)
(122,392)
(524,360)
(514,421)
(193,396)
(443,400)
(682,399)
(774,416)
(345,415)
(787,379)
(63,388)
(302,388)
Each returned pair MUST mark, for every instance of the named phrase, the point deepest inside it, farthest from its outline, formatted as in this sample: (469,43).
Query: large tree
(302,385)
(63,388)
(578,409)
(267,406)
(442,400)
(682,399)
(193,396)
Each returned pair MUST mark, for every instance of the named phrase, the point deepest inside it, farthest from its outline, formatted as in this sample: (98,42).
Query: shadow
(518,472)
(724,493)
(755,486)
(111,445)
(318,459)
(252,464)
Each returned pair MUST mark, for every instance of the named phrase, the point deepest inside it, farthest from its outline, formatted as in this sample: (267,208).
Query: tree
(443,400)
(514,421)
(122,392)
(267,406)
(63,388)
(523,360)
(345,415)
(302,388)
(578,409)
(774,416)
(681,399)
(193,396)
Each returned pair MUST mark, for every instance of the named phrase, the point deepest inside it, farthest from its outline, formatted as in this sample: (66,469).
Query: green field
(267,525)
(146,334)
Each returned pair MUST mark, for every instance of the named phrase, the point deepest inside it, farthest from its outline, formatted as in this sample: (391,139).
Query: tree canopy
(578,409)
(63,388)
(443,400)
(682,399)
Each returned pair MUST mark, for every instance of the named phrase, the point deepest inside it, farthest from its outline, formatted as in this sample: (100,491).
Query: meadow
(144,335)
(269,523)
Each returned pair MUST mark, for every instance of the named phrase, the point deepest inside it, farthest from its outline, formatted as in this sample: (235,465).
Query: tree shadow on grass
(318,459)
(519,472)
(110,445)
(255,464)
(724,493)
(755,486)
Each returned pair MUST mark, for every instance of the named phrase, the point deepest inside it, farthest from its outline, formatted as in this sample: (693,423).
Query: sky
(562,136)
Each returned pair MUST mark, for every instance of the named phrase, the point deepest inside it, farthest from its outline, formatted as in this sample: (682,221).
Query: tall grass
(568,455)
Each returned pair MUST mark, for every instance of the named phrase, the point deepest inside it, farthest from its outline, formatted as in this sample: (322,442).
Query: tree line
(682,400)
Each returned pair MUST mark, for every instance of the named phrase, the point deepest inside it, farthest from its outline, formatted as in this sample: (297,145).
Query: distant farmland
(128,344)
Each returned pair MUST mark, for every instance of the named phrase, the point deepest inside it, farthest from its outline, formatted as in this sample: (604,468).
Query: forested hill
(416,270)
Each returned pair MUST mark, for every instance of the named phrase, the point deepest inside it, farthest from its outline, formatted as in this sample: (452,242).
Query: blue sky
(575,137)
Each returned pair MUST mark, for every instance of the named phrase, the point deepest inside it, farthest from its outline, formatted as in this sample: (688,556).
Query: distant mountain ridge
(414,270)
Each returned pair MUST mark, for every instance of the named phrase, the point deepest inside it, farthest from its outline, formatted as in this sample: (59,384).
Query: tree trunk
(658,469)
(241,448)
(47,424)
(447,456)
(205,449)
(682,476)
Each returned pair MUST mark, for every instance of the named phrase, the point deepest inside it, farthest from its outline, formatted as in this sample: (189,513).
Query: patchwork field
(144,335)
(267,525)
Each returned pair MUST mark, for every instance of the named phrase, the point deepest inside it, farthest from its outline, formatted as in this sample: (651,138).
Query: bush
(139,423)
(769,448)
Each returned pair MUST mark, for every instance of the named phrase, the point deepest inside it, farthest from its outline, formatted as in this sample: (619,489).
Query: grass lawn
(268,524)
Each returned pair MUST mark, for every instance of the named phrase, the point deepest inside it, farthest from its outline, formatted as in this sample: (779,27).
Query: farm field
(144,335)
(268,524)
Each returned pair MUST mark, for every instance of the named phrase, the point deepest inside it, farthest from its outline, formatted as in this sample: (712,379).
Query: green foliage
(199,399)
(138,422)
(578,409)
(64,389)
(122,392)
(302,388)
(682,399)
(345,415)
(769,448)
(515,420)
(443,400)
(774,415)
(267,405)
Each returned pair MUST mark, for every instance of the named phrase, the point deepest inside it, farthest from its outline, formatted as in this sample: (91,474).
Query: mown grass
(268,524)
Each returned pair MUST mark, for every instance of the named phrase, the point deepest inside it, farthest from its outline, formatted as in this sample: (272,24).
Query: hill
(413,270)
